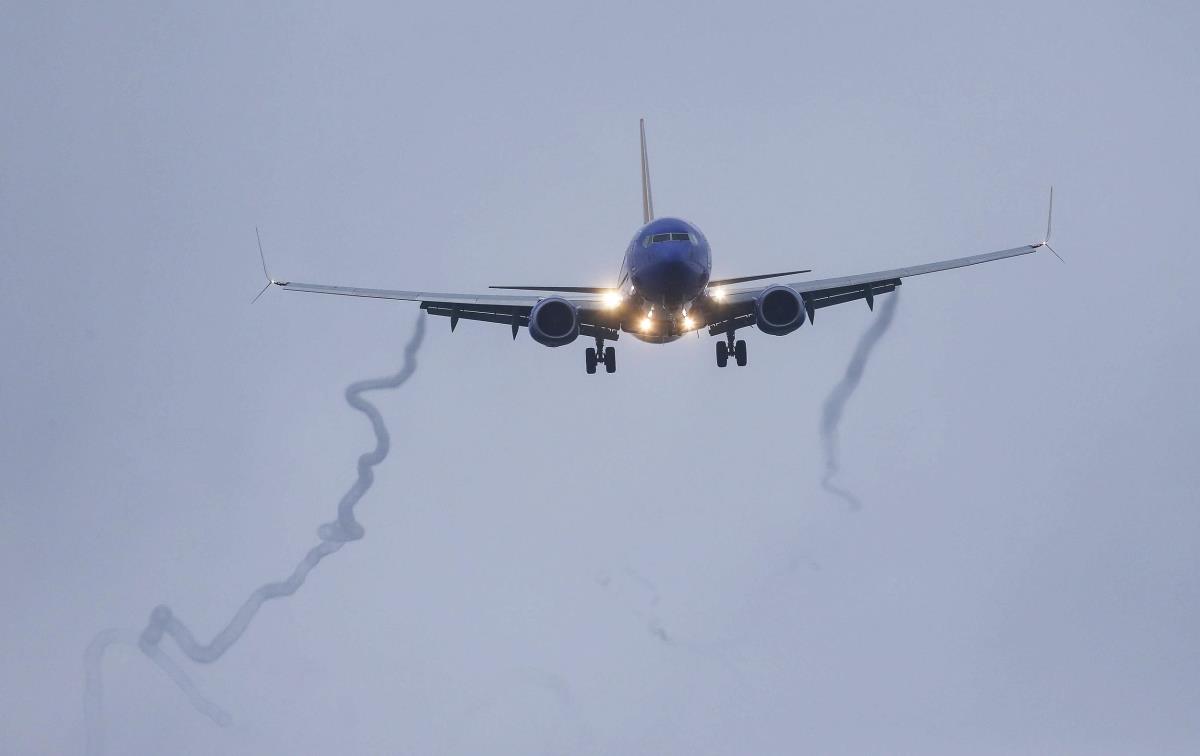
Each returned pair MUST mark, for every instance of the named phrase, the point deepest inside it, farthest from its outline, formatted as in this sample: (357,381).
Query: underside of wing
(412,296)
(914,270)
(508,309)
(737,308)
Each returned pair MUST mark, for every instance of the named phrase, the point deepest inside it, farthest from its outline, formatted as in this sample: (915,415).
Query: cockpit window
(676,236)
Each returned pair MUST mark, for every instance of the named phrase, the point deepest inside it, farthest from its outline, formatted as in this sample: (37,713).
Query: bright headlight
(717,294)
(612,299)
(647,324)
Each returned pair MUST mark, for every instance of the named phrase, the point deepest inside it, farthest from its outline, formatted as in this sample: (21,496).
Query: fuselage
(666,267)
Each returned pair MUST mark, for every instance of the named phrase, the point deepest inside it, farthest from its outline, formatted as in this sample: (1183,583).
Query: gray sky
(1022,577)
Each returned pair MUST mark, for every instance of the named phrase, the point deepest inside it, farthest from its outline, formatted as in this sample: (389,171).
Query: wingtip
(266,273)
(1045,242)
(263,257)
(1050,214)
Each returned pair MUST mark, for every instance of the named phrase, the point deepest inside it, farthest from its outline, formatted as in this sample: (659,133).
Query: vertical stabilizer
(647,197)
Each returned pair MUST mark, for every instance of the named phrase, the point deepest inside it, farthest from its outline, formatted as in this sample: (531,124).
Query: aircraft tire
(739,351)
(610,359)
(589,360)
(722,354)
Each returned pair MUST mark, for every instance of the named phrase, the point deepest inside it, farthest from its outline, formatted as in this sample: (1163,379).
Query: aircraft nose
(672,276)
(678,252)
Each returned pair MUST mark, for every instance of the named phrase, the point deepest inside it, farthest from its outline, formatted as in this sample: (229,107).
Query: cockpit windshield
(674,236)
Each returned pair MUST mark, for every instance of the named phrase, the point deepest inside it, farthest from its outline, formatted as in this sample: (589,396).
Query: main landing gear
(600,354)
(731,347)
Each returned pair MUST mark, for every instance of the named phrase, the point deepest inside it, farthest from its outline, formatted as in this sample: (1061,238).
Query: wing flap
(486,316)
(852,293)
(516,317)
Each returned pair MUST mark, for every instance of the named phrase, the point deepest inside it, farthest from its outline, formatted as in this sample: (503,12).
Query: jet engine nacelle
(779,310)
(554,322)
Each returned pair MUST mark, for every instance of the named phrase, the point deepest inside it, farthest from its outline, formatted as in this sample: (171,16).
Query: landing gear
(600,354)
(730,347)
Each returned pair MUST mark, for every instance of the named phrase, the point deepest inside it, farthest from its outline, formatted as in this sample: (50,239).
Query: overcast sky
(643,563)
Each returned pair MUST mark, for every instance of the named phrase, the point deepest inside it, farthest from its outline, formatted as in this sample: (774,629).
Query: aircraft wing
(512,310)
(737,306)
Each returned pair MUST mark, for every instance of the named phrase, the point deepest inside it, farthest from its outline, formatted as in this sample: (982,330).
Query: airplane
(664,291)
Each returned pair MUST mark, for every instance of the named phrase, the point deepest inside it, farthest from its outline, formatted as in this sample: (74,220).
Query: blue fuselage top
(667,264)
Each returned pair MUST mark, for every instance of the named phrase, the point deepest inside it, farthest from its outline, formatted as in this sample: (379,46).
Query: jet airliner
(664,290)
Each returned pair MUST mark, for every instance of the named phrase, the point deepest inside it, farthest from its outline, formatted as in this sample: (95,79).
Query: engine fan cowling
(779,310)
(554,322)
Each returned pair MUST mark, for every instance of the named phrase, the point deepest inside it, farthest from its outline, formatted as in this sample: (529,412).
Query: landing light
(647,324)
(717,294)
(688,323)
(612,299)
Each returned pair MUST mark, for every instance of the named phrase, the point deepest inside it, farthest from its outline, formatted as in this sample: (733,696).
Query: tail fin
(647,197)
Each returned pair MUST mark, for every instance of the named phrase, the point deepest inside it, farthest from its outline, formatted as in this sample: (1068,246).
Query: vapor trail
(332,535)
(831,414)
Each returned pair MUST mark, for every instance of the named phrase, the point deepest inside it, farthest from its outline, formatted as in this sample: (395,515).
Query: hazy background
(640,563)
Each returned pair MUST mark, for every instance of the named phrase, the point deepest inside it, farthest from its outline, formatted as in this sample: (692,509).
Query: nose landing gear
(600,354)
(731,347)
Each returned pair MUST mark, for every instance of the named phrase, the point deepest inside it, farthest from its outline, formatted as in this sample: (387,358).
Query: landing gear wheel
(739,351)
(610,360)
(589,360)
(722,354)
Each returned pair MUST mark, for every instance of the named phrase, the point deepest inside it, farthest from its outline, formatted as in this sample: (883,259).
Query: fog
(553,562)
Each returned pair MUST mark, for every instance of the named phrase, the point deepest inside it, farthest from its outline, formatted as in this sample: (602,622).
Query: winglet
(1050,214)
(266,274)
(1045,242)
